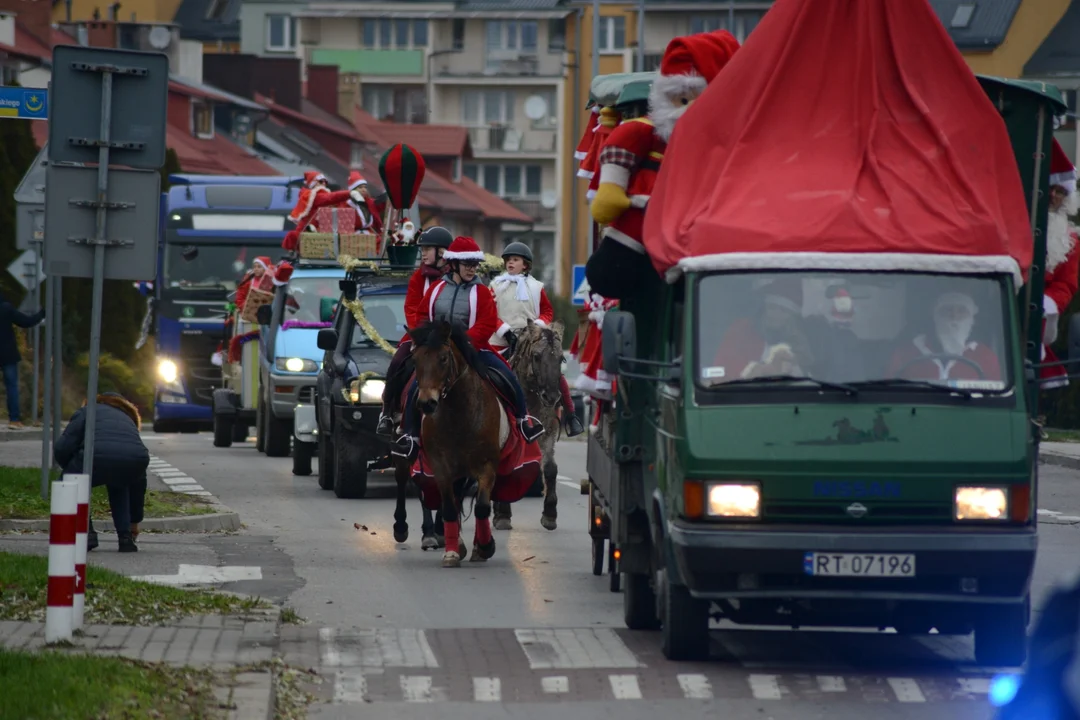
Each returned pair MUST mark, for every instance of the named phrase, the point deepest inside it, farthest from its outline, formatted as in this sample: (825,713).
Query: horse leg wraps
(452,533)
(483,529)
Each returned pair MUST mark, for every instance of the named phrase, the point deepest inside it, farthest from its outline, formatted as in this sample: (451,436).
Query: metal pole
(46,455)
(35,335)
(56,319)
(99,272)
(731,17)
(595,38)
(575,199)
(641,36)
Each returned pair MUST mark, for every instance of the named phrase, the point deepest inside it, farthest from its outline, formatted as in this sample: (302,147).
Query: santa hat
(608,120)
(783,292)
(693,61)
(262,260)
(313,176)
(843,308)
(586,139)
(1062,171)
(282,274)
(464,248)
(356,180)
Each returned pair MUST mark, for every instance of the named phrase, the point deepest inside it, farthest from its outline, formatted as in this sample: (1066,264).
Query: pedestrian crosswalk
(551,665)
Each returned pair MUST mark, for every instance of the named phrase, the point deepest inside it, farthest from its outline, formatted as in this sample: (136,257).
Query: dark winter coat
(120,458)
(9,318)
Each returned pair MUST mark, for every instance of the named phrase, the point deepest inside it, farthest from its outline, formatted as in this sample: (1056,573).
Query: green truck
(857,498)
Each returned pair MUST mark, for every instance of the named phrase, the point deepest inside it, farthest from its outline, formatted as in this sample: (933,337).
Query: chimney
(322,87)
(348,95)
(35,16)
(246,75)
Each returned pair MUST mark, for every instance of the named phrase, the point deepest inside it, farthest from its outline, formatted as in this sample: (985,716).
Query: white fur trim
(434,295)
(1066,180)
(1049,306)
(579,155)
(472,255)
(670,86)
(586,174)
(311,201)
(871,262)
(503,329)
(614,174)
(539,323)
(620,236)
(359,183)
(639,201)
(257,261)
(589,195)
(472,305)
(279,283)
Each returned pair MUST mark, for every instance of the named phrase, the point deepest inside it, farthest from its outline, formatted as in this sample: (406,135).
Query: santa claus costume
(927,357)
(313,196)
(606,121)
(631,156)
(261,269)
(1062,261)
(593,378)
(366,208)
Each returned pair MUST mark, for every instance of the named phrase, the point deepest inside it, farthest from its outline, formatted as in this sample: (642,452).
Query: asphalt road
(396,634)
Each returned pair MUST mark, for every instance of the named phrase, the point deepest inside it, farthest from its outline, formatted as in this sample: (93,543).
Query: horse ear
(558,328)
(445,330)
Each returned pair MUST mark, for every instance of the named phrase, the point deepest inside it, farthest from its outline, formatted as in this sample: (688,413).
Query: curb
(1059,460)
(212,522)
(253,696)
(34,432)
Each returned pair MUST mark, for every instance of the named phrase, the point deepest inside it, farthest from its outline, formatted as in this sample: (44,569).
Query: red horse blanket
(519,466)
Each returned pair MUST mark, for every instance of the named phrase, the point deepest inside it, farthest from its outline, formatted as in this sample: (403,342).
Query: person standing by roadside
(9,354)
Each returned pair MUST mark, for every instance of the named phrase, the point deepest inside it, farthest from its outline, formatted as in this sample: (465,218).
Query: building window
(962,17)
(471,171)
(202,120)
(506,180)
(378,101)
(556,35)
(457,169)
(389,104)
(280,33)
(356,156)
(550,119)
(745,22)
(612,33)
(419,33)
(394,34)
(533,180)
(458,34)
(487,107)
(508,35)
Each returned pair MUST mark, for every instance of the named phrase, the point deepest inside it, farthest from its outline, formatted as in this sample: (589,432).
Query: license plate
(859,564)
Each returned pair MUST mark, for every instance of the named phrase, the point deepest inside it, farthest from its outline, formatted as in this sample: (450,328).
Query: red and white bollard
(82,528)
(60,597)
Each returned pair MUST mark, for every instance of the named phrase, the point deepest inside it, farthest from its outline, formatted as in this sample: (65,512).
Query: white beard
(953,335)
(1059,239)
(664,118)
(664,108)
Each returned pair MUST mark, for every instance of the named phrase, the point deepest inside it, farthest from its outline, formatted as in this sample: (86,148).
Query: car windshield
(386,314)
(303,302)
(896,330)
(214,266)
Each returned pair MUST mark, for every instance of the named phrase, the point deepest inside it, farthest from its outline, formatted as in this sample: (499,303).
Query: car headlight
(733,500)
(371,392)
(295,364)
(167,370)
(981,503)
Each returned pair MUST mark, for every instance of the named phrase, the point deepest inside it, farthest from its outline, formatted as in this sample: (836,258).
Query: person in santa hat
(366,208)
(950,354)
(462,299)
(593,379)
(630,159)
(259,267)
(773,343)
(434,242)
(520,298)
(1062,261)
(314,195)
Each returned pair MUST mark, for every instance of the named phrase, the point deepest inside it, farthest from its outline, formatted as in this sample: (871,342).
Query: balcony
(533,208)
(397,63)
(496,65)
(506,139)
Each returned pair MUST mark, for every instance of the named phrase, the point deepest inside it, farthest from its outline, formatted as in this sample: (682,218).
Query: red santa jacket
(483,317)
(631,158)
(416,312)
(1061,279)
(303,214)
(941,368)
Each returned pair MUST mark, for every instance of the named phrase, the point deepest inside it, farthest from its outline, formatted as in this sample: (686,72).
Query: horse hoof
(440,541)
(451,559)
(548,522)
(476,556)
(401,535)
(503,523)
(481,553)
(429,543)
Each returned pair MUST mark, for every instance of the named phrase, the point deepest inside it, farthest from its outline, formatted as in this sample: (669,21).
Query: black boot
(127,543)
(531,428)
(385,426)
(574,426)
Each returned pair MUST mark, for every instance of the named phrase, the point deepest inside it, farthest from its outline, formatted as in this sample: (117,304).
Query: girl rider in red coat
(433,243)
(462,298)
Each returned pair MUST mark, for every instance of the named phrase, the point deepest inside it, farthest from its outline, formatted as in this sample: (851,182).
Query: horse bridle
(447,388)
(542,394)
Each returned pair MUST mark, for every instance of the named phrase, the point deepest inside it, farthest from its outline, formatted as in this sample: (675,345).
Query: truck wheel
(350,470)
(685,622)
(598,556)
(639,603)
(164,426)
(301,457)
(223,431)
(239,432)
(278,435)
(1001,635)
(260,423)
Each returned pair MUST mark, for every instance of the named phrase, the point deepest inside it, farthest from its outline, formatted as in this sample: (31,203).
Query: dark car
(345,415)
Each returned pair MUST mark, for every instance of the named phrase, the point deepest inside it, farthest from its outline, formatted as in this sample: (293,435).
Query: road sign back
(139,106)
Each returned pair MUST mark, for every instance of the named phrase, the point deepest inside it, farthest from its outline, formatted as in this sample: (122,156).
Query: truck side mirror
(264,315)
(348,288)
(327,339)
(620,338)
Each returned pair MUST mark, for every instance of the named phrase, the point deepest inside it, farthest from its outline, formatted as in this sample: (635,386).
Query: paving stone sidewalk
(212,641)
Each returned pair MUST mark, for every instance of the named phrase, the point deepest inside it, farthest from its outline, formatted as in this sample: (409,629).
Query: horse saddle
(502,382)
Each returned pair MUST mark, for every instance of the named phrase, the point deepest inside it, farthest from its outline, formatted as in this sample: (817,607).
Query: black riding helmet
(518,248)
(436,236)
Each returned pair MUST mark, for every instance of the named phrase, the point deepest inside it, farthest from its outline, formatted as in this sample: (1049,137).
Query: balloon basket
(401,255)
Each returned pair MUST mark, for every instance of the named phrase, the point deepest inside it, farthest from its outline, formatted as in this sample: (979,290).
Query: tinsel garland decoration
(238,341)
(351,264)
(491,265)
(357,309)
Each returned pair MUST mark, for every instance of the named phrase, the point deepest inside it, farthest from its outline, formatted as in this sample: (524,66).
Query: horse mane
(434,333)
(532,336)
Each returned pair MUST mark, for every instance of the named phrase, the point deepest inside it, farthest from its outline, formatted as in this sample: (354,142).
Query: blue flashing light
(1003,689)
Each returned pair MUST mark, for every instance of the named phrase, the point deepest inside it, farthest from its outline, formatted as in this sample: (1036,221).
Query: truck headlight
(167,370)
(733,500)
(371,392)
(295,364)
(981,503)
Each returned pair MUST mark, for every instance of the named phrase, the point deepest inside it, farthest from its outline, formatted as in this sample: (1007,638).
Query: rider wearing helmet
(433,243)
(461,298)
(519,298)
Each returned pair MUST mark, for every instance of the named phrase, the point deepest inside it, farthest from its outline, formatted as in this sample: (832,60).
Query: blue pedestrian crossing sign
(581,288)
(24,103)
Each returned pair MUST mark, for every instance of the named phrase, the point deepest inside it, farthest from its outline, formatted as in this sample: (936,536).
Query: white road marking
(205,575)
(387,647)
(556,684)
(975,686)
(765,687)
(487,689)
(418,688)
(560,649)
(907,690)
(187,487)
(350,687)
(204,493)
(166,471)
(177,480)
(695,687)
(831,683)
(625,687)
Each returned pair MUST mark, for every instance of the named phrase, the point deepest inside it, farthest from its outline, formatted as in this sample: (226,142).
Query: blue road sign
(580,286)
(24,103)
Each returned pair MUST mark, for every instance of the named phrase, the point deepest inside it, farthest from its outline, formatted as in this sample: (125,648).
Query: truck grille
(832,511)
(200,375)
(306,395)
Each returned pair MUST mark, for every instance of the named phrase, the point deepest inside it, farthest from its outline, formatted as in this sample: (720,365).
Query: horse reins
(447,388)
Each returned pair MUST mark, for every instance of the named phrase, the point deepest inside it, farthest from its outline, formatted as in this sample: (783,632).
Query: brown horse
(463,431)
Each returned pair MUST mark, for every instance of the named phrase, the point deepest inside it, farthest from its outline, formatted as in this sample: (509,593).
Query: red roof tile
(344,129)
(27,44)
(429,140)
(492,205)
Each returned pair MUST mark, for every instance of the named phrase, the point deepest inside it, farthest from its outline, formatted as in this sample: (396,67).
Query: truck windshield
(387,316)
(906,331)
(305,295)
(215,266)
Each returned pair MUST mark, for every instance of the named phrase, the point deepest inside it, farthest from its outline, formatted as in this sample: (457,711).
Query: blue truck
(212,227)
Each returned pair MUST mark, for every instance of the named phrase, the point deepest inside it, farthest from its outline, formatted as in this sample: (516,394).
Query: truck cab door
(669,391)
